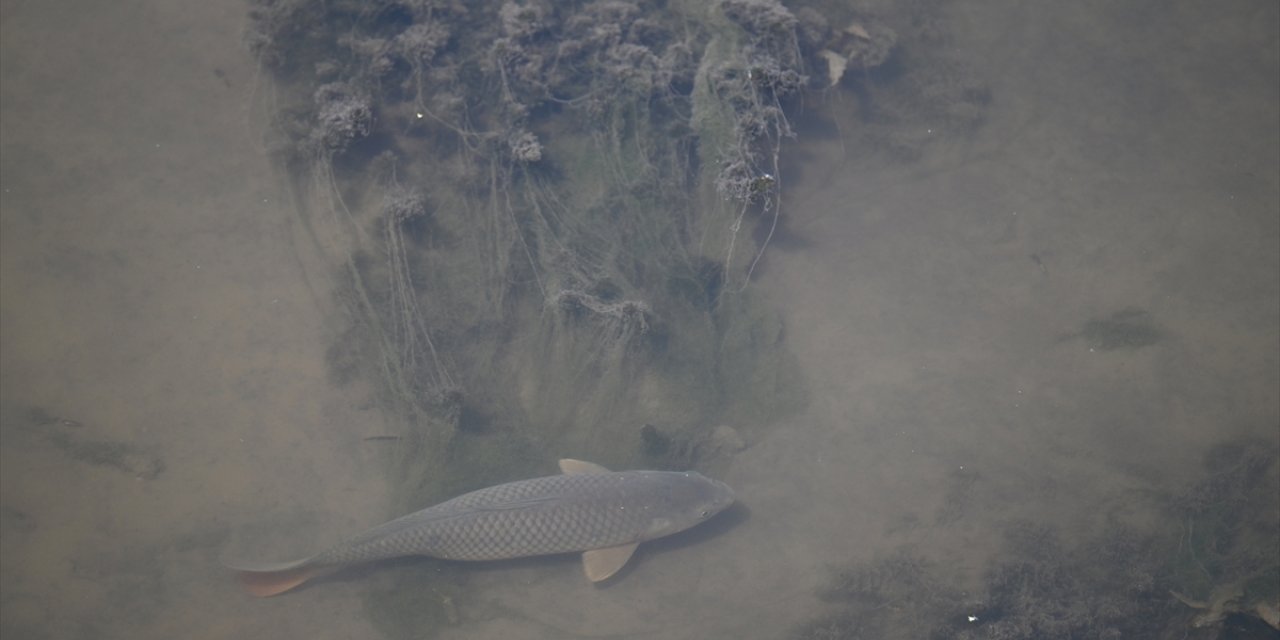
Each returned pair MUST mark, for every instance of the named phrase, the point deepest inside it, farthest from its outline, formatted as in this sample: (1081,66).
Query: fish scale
(601,513)
(539,516)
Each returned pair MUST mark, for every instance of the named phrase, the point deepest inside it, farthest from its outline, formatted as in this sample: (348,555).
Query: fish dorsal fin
(569,465)
(600,564)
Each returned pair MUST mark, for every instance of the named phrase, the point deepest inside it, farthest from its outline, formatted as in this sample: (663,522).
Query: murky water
(1044,345)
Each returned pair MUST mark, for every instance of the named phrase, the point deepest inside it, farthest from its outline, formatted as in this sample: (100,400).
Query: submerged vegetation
(544,217)
(540,219)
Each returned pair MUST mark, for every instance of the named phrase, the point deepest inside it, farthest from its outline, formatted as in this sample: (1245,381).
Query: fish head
(685,500)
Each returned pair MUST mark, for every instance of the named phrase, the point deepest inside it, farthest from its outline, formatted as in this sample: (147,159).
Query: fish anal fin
(569,465)
(270,583)
(601,564)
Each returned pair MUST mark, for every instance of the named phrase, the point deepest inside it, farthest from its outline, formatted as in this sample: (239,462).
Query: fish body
(587,509)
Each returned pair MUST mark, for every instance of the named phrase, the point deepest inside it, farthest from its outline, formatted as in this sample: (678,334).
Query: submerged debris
(631,317)
(1229,600)
(857,47)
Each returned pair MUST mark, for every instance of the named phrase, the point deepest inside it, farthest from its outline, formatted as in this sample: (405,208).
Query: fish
(603,514)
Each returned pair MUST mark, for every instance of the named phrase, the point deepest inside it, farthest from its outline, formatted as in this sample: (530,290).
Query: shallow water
(1052,319)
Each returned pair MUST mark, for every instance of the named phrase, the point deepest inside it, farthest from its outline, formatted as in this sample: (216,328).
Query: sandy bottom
(165,399)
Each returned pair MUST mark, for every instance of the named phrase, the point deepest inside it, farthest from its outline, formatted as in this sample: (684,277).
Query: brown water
(1041,321)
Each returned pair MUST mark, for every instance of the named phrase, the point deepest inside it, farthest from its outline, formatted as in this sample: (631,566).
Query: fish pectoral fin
(601,564)
(569,466)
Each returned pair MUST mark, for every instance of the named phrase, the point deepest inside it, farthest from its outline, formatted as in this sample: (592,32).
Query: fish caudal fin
(271,583)
(270,580)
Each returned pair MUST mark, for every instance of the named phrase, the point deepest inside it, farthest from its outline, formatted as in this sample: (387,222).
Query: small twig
(1191,547)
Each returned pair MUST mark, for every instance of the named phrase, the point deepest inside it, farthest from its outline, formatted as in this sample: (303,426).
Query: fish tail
(270,580)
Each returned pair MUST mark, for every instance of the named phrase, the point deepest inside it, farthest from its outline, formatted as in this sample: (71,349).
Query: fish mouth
(725,495)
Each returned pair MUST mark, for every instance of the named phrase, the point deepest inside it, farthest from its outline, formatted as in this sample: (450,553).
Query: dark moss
(654,443)
(342,359)
(1218,537)
(1126,329)
(128,458)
